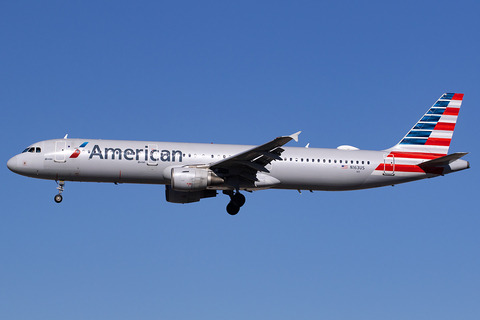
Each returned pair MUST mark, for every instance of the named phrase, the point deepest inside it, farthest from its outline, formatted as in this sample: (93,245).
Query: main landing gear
(58,198)
(237,200)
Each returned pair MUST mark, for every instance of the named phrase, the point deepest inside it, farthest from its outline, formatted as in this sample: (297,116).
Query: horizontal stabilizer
(442,161)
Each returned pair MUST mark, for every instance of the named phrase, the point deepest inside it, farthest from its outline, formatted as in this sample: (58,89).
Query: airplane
(194,171)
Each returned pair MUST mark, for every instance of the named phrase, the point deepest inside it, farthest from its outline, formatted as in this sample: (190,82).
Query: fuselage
(123,161)
(194,171)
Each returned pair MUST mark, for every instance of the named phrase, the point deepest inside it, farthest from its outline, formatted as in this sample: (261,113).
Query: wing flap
(271,155)
(253,165)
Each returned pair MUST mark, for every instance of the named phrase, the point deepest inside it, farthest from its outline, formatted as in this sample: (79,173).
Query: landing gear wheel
(232,208)
(236,201)
(58,198)
(239,199)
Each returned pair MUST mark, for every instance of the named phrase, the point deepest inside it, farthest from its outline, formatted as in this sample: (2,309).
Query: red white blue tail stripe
(433,132)
(429,139)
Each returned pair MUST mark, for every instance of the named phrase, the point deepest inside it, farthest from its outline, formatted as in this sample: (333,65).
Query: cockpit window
(32,150)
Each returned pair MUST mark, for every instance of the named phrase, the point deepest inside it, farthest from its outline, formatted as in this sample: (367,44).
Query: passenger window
(308,160)
(291,159)
(334,161)
(329,161)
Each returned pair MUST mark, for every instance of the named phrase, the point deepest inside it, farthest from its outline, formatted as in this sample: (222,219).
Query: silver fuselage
(121,161)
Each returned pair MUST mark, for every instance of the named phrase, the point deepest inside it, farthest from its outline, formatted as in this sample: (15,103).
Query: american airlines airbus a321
(193,171)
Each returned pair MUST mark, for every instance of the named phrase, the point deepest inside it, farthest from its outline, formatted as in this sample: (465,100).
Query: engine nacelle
(193,179)
(187,197)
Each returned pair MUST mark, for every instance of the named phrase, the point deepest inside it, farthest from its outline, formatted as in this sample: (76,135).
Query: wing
(257,158)
(245,165)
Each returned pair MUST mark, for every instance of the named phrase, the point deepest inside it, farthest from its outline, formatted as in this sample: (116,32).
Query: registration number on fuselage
(358,168)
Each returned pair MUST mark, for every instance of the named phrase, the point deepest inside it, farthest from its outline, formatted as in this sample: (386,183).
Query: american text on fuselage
(130,154)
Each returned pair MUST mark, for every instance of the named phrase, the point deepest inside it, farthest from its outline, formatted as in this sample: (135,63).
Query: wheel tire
(239,199)
(232,208)
(58,198)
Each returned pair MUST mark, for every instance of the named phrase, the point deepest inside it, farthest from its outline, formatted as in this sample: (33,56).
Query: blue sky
(345,72)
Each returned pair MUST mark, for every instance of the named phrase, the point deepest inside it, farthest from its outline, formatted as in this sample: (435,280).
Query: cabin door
(153,155)
(60,147)
(389,165)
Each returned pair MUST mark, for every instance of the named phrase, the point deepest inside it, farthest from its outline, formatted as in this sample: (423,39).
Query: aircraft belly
(378,179)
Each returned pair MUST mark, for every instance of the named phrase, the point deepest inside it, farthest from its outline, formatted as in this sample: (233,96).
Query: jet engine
(187,196)
(193,179)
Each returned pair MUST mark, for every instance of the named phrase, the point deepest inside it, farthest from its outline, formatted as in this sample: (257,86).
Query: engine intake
(193,179)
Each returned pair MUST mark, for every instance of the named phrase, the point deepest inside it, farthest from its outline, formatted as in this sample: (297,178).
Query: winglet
(295,136)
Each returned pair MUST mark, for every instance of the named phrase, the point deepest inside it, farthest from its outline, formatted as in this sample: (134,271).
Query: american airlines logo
(136,154)
(77,151)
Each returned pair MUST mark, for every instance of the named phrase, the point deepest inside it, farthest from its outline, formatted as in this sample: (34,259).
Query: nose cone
(12,164)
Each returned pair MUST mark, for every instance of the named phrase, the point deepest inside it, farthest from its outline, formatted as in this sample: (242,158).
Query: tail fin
(433,132)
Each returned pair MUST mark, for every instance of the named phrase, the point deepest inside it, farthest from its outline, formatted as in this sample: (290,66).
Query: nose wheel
(58,198)
(237,200)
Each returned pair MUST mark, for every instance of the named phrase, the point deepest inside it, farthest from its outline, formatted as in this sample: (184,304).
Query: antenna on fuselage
(65,136)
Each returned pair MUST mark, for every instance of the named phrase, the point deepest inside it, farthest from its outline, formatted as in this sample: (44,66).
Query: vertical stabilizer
(433,132)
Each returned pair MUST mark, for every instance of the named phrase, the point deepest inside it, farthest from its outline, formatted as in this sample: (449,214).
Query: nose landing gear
(58,198)
(237,200)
